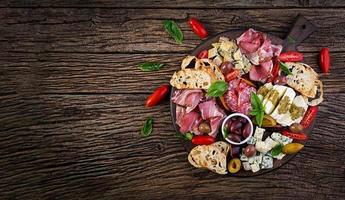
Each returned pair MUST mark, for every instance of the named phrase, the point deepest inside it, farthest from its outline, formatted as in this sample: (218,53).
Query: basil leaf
(226,132)
(146,130)
(217,89)
(174,30)
(186,136)
(291,40)
(284,68)
(260,117)
(255,101)
(277,150)
(149,66)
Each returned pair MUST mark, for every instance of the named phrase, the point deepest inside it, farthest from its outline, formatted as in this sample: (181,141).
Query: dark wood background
(71,100)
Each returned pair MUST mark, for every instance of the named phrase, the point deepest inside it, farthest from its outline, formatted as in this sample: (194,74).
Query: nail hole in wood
(303,26)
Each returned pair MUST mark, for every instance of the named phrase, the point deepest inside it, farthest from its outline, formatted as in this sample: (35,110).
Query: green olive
(204,127)
(296,128)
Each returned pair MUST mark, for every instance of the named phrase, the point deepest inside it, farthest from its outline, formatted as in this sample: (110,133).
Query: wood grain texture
(141,30)
(112,73)
(174,3)
(82,146)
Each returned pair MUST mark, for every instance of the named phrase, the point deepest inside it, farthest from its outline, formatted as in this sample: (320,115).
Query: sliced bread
(191,79)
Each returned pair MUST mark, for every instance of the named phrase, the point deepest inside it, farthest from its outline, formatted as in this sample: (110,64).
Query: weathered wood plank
(174,3)
(112,73)
(82,146)
(140,30)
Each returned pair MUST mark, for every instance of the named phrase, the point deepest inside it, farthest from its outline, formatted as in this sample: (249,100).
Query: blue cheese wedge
(258,159)
(258,134)
(252,140)
(246,166)
(285,140)
(243,157)
(267,162)
(276,136)
(251,160)
(270,143)
(273,97)
(262,147)
(255,167)
(281,113)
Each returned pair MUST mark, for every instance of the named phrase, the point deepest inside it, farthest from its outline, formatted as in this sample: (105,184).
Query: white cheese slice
(269,105)
(255,167)
(267,86)
(302,102)
(284,118)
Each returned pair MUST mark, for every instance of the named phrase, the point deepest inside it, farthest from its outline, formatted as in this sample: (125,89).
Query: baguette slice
(212,157)
(213,68)
(191,79)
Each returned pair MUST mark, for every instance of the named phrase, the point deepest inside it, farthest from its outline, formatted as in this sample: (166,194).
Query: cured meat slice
(215,125)
(187,121)
(210,109)
(188,98)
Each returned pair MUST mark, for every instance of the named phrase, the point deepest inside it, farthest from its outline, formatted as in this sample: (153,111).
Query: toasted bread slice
(191,79)
(303,79)
(212,157)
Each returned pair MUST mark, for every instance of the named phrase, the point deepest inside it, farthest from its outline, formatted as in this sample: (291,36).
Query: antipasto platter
(244,101)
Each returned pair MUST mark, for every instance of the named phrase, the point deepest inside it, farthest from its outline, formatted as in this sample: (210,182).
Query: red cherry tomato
(157,96)
(203,140)
(309,116)
(232,75)
(325,60)
(198,28)
(203,54)
(291,56)
(295,136)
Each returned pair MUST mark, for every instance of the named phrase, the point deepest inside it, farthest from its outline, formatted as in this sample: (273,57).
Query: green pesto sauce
(263,91)
(274,97)
(284,105)
(296,112)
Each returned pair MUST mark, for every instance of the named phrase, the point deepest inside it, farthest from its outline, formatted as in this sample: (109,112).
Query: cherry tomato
(232,75)
(157,96)
(309,116)
(291,56)
(203,140)
(295,136)
(325,60)
(198,28)
(203,54)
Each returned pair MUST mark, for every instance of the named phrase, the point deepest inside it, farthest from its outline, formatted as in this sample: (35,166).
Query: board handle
(301,30)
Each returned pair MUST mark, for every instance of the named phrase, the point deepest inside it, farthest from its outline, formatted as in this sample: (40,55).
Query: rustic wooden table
(71,101)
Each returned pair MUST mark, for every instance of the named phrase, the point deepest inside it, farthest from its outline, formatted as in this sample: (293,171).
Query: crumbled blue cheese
(279,156)
(259,132)
(285,140)
(262,147)
(255,167)
(243,157)
(251,160)
(258,159)
(246,166)
(267,162)
(252,140)
(270,143)
(276,136)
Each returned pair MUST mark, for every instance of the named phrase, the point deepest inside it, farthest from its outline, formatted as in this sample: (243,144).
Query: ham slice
(210,109)
(215,125)
(258,48)
(188,98)
(188,120)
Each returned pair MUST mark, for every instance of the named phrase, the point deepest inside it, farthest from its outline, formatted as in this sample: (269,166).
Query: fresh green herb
(217,89)
(226,132)
(146,130)
(291,40)
(174,30)
(257,109)
(284,68)
(150,66)
(277,150)
(185,136)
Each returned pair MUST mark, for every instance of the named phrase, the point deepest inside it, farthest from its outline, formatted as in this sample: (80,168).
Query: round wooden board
(207,44)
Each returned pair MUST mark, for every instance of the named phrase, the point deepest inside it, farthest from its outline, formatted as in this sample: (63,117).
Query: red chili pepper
(291,56)
(203,139)
(203,54)
(197,27)
(324,60)
(275,72)
(309,116)
(295,136)
(157,96)
(232,75)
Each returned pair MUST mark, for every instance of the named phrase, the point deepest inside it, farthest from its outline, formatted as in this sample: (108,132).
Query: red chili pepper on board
(203,54)
(198,28)
(295,136)
(275,72)
(157,96)
(203,140)
(309,116)
(325,60)
(291,56)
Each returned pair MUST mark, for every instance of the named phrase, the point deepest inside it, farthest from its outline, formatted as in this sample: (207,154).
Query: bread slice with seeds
(191,79)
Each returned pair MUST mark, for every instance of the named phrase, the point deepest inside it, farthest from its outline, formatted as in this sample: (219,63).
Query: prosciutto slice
(215,125)
(210,109)
(188,98)
(188,120)
(259,49)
